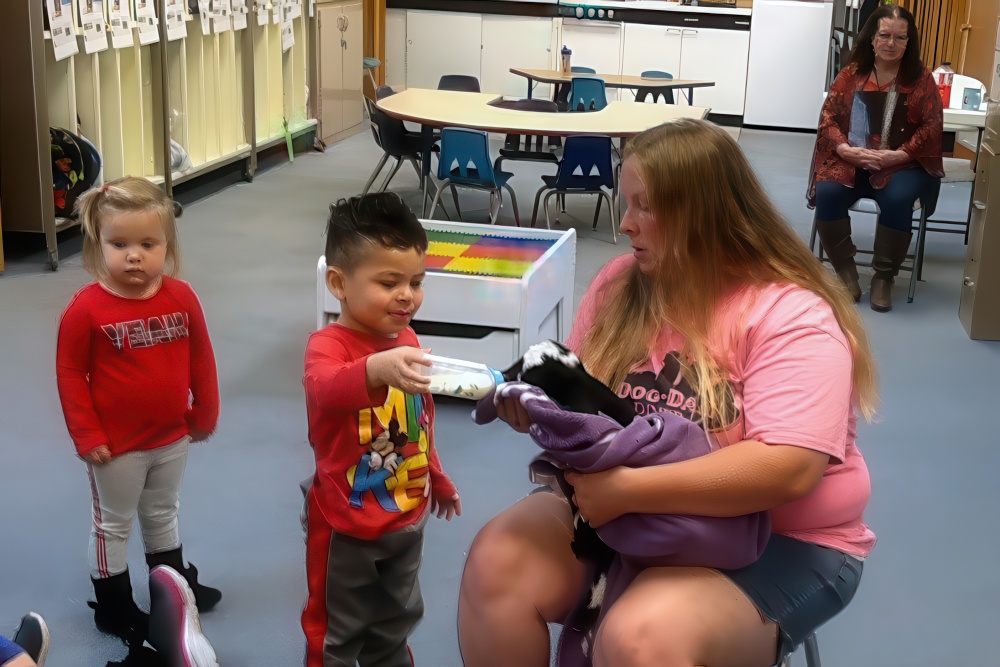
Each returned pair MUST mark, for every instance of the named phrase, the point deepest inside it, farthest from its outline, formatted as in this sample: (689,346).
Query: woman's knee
(672,617)
(631,637)
(524,553)
(833,200)
(495,560)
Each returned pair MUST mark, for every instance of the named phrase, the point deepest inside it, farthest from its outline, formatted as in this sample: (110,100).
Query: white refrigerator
(789,60)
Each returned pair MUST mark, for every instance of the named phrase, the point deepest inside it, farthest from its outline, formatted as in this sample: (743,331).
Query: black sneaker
(174,624)
(33,636)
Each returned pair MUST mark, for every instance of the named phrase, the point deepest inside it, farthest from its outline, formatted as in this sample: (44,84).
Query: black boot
(205,596)
(140,655)
(835,235)
(889,251)
(115,612)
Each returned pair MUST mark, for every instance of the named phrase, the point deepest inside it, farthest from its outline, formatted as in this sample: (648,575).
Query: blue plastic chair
(391,136)
(587,154)
(561,97)
(656,93)
(465,161)
(460,82)
(532,149)
(587,93)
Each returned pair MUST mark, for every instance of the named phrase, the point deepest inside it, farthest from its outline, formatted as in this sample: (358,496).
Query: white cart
(486,319)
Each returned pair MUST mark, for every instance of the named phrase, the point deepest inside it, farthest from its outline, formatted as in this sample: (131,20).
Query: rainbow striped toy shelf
(491,291)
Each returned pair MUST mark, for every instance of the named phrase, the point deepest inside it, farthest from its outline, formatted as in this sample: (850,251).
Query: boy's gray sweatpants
(373,599)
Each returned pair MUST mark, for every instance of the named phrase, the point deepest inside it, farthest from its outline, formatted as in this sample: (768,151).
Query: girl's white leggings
(145,482)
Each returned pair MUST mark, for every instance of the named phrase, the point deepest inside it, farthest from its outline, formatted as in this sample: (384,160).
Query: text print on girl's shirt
(149,332)
(666,391)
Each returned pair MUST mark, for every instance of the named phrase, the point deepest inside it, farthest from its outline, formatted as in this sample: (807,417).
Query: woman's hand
(860,157)
(599,495)
(888,158)
(510,410)
(395,368)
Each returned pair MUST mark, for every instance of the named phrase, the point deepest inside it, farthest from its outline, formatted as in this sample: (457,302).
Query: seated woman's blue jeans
(895,200)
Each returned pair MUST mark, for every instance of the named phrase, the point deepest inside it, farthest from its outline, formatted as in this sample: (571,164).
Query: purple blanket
(592,443)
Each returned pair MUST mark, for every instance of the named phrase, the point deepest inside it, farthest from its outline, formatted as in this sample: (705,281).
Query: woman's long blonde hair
(125,195)
(718,231)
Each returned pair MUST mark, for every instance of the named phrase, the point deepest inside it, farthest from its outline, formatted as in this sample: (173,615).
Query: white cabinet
(395,48)
(341,69)
(439,43)
(649,47)
(789,63)
(691,53)
(595,44)
(515,41)
(719,56)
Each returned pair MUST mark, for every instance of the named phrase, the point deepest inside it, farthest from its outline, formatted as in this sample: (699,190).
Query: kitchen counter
(658,6)
(643,11)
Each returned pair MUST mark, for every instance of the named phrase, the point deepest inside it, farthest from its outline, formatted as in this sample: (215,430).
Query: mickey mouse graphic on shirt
(394,466)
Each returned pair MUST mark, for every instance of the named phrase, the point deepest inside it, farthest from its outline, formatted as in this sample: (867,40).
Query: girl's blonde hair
(718,231)
(125,195)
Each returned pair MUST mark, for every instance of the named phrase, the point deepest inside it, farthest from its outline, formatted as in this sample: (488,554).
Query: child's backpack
(76,167)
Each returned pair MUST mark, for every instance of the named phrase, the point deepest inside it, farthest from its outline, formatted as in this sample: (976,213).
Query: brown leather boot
(889,252)
(835,235)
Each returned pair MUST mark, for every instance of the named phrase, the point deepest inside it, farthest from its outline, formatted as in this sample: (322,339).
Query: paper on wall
(294,9)
(276,8)
(261,12)
(176,26)
(61,28)
(239,14)
(222,12)
(287,36)
(145,18)
(205,12)
(121,24)
(95,35)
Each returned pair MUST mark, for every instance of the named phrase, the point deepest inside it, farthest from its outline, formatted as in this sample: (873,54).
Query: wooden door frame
(374,41)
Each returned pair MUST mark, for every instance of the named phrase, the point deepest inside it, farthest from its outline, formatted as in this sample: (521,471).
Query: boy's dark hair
(359,224)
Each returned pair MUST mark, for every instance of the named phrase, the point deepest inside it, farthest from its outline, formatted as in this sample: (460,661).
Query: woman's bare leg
(681,617)
(520,574)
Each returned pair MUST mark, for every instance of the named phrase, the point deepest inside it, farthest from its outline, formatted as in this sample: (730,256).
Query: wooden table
(447,108)
(440,108)
(611,80)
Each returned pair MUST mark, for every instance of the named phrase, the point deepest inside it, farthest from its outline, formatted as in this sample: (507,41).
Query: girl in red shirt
(137,382)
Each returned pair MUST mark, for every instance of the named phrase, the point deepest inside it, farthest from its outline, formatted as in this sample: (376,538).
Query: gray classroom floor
(930,589)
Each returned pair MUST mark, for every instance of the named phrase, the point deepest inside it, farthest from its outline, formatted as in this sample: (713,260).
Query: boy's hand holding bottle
(398,368)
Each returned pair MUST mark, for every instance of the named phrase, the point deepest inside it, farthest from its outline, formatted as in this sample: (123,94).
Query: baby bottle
(456,377)
(566,53)
(944,75)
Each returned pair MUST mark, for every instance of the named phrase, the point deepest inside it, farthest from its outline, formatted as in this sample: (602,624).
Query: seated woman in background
(721,307)
(879,137)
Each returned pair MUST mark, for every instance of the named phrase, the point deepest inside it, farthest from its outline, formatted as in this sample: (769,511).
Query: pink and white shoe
(174,624)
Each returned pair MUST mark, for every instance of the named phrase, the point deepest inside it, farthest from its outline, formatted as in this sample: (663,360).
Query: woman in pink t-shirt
(720,314)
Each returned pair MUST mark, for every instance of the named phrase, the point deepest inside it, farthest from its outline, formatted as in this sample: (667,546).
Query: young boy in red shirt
(371,428)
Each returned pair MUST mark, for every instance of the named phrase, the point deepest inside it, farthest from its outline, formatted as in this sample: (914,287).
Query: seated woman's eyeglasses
(885,38)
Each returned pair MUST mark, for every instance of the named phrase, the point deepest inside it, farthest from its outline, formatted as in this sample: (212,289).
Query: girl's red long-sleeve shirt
(136,374)
(361,489)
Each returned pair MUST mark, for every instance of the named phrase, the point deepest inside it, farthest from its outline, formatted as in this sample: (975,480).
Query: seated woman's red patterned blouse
(923,110)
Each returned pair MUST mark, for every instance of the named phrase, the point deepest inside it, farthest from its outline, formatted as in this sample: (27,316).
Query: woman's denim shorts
(799,586)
